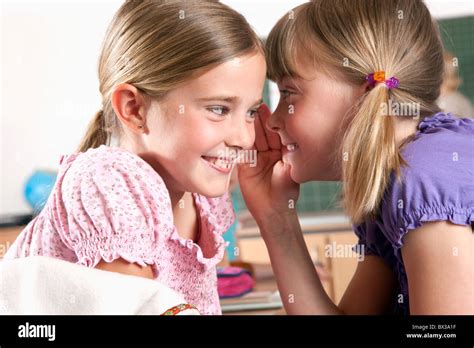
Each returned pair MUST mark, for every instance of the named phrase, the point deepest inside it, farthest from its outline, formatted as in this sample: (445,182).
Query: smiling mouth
(222,165)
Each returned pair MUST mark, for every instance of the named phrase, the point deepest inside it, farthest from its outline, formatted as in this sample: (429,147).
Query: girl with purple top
(359,82)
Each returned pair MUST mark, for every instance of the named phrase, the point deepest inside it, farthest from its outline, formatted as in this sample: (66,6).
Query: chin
(212,191)
(301,176)
(324,176)
(296,175)
(314,170)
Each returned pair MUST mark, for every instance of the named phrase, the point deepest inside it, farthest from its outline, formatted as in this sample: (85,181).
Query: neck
(176,197)
(405,128)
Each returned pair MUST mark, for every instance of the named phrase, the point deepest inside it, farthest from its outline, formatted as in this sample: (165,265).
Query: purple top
(437,185)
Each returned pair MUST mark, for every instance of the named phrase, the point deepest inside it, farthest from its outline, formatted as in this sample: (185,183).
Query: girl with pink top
(181,83)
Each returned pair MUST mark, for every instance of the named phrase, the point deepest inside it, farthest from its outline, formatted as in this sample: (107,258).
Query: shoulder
(106,159)
(110,203)
(110,189)
(442,141)
(111,169)
(436,184)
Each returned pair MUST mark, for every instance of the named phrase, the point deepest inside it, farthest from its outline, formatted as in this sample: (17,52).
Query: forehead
(242,75)
(242,67)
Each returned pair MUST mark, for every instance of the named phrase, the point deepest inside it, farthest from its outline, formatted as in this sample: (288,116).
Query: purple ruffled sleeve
(438,184)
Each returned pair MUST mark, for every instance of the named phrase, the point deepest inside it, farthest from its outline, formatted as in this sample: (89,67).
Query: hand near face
(267,187)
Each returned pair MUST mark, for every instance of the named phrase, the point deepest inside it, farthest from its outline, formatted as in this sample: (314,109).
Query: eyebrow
(228,99)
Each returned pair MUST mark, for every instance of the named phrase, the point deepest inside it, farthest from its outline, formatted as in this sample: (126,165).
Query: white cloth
(44,285)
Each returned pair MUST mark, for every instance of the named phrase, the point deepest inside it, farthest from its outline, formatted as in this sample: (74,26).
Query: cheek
(316,134)
(191,134)
(304,126)
(317,127)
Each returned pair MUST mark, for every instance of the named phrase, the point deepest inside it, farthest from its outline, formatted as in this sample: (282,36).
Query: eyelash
(226,110)
(285,93)
(254,113)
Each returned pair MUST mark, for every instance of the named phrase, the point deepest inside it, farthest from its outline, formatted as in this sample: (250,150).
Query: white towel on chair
(44,285)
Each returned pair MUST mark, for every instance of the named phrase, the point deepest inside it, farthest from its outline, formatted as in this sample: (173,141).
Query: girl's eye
(285,94)
(219,110)
(253,114)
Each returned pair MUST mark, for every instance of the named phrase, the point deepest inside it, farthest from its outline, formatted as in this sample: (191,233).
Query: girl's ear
(130,107)
(366,86)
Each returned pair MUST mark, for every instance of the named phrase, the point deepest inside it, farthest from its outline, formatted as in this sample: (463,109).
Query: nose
(275,121)
(242,134)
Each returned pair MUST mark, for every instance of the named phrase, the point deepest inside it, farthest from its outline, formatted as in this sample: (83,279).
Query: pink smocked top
(108,203)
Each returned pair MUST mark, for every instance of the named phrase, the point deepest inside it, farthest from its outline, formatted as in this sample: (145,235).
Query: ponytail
(96,133)
(349,42)
(370,156)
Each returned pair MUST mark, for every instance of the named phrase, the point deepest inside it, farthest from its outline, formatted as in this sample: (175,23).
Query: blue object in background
(230,235)
(38,187)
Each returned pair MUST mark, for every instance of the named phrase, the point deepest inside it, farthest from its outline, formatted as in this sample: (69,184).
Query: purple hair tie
(392,82)
(370,80)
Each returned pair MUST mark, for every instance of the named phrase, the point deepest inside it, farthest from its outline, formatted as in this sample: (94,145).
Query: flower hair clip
(379,76)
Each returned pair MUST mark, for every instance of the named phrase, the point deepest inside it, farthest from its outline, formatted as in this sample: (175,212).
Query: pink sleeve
(116,206)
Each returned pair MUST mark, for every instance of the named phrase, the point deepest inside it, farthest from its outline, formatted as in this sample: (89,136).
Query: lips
(222,165)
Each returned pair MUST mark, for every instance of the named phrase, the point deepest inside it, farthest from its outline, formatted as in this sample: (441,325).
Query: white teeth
(222,163)
(219,162)
(292,147)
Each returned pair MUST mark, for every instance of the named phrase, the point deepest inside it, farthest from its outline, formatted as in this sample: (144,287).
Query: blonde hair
(157,45)
(347,40)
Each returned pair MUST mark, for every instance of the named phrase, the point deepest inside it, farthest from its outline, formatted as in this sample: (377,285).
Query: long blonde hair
(349,39)
(156,45)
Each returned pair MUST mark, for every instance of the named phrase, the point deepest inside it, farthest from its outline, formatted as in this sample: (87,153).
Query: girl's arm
(438,258)
(300,288)
(369,292)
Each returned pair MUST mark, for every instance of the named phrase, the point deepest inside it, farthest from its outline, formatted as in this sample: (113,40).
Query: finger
(261,142)
(273,139)
(242,161)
